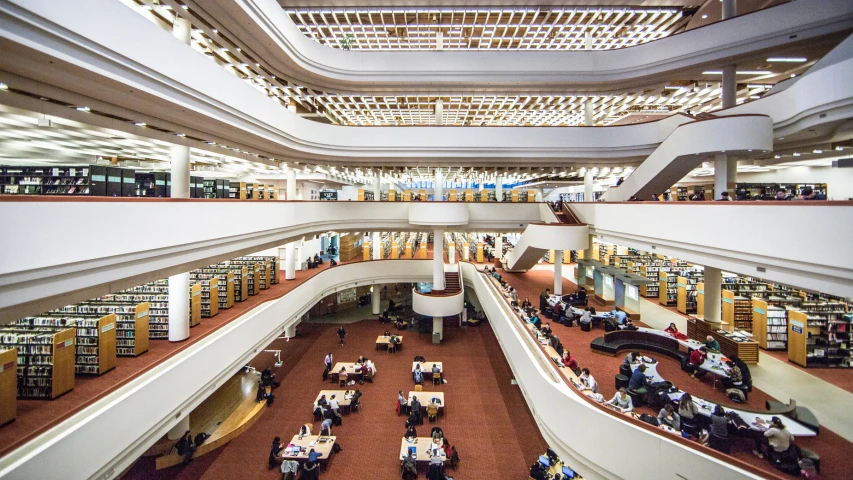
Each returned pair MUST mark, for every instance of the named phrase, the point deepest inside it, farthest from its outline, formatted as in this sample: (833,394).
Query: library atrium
(592,239)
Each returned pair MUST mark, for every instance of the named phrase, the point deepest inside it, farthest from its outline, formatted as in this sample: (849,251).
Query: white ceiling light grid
(526,28)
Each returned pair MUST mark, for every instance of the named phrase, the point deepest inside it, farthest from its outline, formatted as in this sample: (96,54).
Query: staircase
(451,283)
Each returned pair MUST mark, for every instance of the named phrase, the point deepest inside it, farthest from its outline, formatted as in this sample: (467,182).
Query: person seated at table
(322,401)
(667,417)
(719,422)
(326,428)
(673,330)
(735,378)
(369,367)
(580,297)
(418,376)
(744,371)
(545,329)
(712,344)
(317,259)
(436,465)
(697,358)
(311,469)
(411,431)
(639,382)
(558,311)
(410,471)
(621,316)
(588,381)
(686,408)
(343,376)
(632,358)
(586,317)
(569,360)
(403,402)
(534,319)
(553,341)
(622,401)
(334,406)
(435,368)
(305,430)
(526,304)
(775,436)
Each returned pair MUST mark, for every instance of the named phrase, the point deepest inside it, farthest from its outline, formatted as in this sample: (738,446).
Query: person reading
(621,401)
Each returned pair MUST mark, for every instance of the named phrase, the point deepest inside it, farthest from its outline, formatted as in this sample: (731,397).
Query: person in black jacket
(342,333)
(744,371)
(275,451)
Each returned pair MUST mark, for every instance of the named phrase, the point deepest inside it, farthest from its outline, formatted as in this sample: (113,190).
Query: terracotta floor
(36,416)
(833,449)
(487,419)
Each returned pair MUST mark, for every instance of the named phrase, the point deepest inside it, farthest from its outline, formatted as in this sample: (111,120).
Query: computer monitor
(413,451)
(544,460)
(568,472)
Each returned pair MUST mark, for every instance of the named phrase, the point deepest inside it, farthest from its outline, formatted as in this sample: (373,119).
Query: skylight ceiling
(526,28)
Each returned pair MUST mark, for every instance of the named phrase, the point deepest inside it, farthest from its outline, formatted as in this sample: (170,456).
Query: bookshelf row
(105,181)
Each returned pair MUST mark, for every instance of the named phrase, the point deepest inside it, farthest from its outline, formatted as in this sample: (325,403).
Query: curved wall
(263,22)
(438,305)
(438,213)
(598,444)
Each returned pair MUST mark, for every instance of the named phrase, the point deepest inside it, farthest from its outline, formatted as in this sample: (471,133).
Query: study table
(382,341)
(305,444)
(426,369)
(344,397)
(706,408)
(422,446)
(425,397)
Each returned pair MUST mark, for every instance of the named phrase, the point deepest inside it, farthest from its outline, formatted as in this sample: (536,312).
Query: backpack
(200,438)
(736,395)
(610,325)
(649,419)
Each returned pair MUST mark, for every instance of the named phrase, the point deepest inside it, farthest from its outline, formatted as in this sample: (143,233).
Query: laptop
(413,451)
(568,472)
(544,460)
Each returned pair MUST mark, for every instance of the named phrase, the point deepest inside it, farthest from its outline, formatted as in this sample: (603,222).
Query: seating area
(614,342)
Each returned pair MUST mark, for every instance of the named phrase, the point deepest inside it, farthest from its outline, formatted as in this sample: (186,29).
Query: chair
(637,398)
(436,379)
(391,348)
(342,381)
(621,381)
(432,412)
(690,426)
(720,444)
(355,406)
(625,370)
(368,377)
(419,388)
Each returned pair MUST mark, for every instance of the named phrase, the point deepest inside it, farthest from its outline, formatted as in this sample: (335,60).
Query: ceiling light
(793,75)
(139,124)
(185,7)
(83,109)
(3,86)
(181,134)
(704,16)
(788,59)
(817,151)
(777,156)
(796,154)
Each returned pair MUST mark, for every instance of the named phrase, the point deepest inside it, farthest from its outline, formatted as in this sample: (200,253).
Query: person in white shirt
(327,362)
(587,381)
(371,367)
(622,401)
(333,404)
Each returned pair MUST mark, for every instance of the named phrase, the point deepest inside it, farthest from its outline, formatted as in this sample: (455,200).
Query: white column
(439,185)
(729,9)
(499,188)
(291,184)
(588,119)
(558,272)
(180,157)
(499,245)
(180,428)
(438,327)
(587,187)
(439,40)
(438,259)
(377,189)
(290,261)
(587,41)
(725,175)
(375,299)
(729,86)
(439,111)
(290,331)
(182,30)
(451,255)
(377,246)
(179,307)
(713,294)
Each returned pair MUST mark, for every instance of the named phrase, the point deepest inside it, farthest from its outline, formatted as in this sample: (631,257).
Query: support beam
(180,156)
(713,294)
(725,175)
(729,9)
(438,259)
(499,188)
(438,194)
(729,86)
(375,299)
(290,261)
(588,118)
(179,307)
(291,184)
(377,246)
(587,187)
(558,272)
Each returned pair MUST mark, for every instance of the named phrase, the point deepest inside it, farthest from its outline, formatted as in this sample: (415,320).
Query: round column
(180,161)
(438,259)
(179,307)
(290,261)
(439,186)
(588,195)
(558,272)
(375,299)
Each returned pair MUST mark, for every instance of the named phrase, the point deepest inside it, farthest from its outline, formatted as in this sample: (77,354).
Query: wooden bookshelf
(819,334)
(45,367)
(730,343)
(798,333)
(241,282)
(686,288)
(195,304)
(700,299)
(348,247)
(252,276)
(156,296)
(95,339)
(266,275)
(8,384)
(209,293)
(665,297)
(226,283)
(132,322)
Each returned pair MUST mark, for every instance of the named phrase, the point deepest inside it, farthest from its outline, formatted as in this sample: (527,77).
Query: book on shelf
(45,361)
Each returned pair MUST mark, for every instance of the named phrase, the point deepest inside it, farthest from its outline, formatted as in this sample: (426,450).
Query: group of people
(418,374)
(315,262)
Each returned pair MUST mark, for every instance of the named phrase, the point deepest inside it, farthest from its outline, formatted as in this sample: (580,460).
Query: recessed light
(704,16)
(181,134)
(839,148)
(796,154)
(185,7)
(777,156)
(83,109)
(139,124)
(3,86)
(793,75)
(817,151)
(787,59)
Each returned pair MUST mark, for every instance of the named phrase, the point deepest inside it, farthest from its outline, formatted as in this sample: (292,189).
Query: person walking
(342,333)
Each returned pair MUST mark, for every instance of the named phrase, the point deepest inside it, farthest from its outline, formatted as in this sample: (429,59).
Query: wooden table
(421,445)
(340,396)
(305,443)
(425,397)
(426,369)
(350,369)
(382,341)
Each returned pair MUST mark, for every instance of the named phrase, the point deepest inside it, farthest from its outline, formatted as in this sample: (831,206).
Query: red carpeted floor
(487,418)
(36,416)
(834,450)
